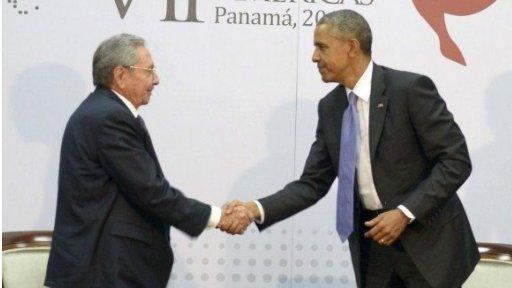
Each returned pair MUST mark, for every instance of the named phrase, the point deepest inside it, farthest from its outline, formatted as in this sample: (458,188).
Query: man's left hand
(235,218)
(387,227)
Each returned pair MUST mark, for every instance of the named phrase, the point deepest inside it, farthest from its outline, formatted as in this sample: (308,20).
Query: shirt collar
(363,86)
(128,104)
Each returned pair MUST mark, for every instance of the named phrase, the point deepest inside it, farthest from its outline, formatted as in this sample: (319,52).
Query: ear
(119,76)
(355,47)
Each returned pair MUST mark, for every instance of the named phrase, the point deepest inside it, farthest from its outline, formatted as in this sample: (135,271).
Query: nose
(156,79)
(315,58)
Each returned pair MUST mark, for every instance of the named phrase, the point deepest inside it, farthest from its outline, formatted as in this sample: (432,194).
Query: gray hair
(118,50)
(348,23)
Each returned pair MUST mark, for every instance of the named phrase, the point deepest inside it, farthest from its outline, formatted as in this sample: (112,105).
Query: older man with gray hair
(399,157)
(114,206)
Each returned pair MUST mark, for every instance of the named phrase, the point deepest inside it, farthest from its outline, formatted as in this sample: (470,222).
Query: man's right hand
(251,206)
(236,217)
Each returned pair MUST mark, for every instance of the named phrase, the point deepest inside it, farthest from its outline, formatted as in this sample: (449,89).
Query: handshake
(237,216)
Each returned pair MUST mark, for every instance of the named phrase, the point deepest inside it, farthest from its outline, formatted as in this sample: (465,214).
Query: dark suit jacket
(419,159)
(114,204)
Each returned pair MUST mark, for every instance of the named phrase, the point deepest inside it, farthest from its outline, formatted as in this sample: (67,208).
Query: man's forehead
(324,27)
(321,34)
(326,33)
(142,51)
(323,30)
(144,54)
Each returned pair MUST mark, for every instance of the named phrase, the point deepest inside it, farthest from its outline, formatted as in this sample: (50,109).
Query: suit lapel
(378,108)
(140,125)
(149,146)
(152,152)
(340,104)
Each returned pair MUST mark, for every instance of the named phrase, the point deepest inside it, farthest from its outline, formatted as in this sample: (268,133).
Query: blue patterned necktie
(347,170)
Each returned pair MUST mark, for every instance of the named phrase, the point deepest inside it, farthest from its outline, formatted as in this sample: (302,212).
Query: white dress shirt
(216,213)
(367,191)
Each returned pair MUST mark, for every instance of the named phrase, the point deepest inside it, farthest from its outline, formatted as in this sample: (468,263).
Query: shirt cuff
(262,212)
(214,217)
(407,213)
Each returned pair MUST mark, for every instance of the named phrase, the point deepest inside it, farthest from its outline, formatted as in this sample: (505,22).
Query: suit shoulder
(401,78)
(97,107)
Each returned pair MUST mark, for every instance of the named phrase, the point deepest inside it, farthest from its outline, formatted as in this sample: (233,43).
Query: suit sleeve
(314,183)
(123,154)
(444,146)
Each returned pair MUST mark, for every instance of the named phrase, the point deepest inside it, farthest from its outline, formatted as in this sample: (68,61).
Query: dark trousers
(387,266)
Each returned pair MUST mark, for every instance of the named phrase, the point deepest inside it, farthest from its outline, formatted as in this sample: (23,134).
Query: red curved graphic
(433,12)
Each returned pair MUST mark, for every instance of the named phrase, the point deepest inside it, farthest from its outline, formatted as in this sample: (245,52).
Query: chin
(326,79)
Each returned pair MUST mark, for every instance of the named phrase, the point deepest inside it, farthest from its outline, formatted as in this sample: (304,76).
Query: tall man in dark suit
(114,206)
(399,157)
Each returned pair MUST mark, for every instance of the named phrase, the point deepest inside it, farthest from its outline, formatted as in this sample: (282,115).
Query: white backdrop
(235,113)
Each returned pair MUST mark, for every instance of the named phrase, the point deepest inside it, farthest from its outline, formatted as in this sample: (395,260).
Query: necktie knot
(352,98)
